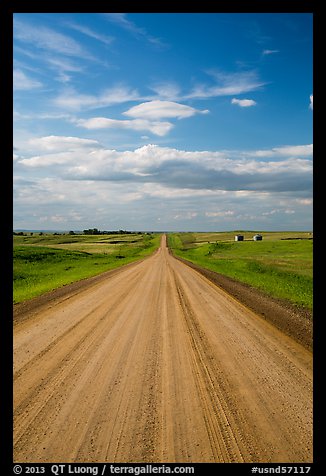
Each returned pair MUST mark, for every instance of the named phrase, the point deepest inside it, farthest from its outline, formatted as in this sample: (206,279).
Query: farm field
(48,261)
(281,264)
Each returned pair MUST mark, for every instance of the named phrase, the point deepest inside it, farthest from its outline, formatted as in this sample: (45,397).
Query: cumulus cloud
(84,203)
(243,102)
(174,168)
(311,105)
(162,109)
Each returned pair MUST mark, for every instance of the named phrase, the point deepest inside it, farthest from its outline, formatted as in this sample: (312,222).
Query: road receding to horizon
(155,363)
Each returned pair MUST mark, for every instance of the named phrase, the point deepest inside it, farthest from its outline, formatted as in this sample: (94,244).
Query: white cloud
(22,82)
(226,213)
(269,52)
(162,109)
(185,216)
(37,116)
(138,32)
(290,151)
(146,117)
(107,40)
(78,201)
(47,39)
(61,143)
(270,212)
(305,201)
(70,99)
(299,150)
(61,66)
(244,102)
(169,167)
(228,84)
(49,160)
(156,127)
(311,105)
(157,106)
(287,211)
(167,90)
(158,191)
(161,105)
(57,219)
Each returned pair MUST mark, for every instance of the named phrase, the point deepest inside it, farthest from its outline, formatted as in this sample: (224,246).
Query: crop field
(281,264)
(45,262)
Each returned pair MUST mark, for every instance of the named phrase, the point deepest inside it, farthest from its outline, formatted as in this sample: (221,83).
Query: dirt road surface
(157,364)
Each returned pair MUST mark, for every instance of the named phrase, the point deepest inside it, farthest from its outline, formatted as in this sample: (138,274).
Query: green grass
(280,265)
(44,263)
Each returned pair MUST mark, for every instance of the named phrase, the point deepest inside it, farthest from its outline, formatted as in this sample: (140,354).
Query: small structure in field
(238,238)
(258,237)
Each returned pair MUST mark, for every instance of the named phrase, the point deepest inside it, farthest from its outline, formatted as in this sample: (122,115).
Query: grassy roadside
(43,263)
(280,265)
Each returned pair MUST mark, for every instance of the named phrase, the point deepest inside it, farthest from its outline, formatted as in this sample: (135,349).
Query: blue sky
(163,121)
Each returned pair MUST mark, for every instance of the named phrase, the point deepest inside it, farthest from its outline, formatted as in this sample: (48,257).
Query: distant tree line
(21,233)
(89,231)
(95,231)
